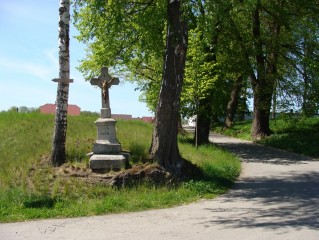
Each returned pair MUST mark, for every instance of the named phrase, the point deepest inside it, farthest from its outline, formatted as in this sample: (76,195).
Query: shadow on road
(286,198)
(281,202)
(252,152)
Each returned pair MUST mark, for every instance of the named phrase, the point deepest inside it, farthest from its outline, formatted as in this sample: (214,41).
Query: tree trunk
(180,128)
(58,155)
(263,85)
(274,102)
(203,122)
(233,102)
(164,148)
(205,105)
(262,103)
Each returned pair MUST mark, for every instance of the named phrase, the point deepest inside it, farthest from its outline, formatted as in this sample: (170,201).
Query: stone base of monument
(105,163)
(105,147)
(107,154)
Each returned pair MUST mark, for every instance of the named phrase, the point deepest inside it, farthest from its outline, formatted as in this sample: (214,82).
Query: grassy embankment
(31,189)
(291,133)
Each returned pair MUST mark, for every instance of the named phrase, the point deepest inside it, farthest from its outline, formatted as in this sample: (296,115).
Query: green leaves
(118,32)
(131,36)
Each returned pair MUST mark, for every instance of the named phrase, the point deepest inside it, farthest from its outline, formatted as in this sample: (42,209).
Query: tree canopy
(271,45)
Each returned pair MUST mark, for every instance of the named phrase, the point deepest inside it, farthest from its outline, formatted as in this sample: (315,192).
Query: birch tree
(58,155)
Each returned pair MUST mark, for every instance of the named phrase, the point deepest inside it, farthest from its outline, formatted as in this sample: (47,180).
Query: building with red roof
(48,108)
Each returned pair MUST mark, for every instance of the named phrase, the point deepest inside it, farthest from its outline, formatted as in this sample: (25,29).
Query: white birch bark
(58,155)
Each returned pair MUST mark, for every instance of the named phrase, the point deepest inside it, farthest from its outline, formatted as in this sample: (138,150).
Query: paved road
(276,197)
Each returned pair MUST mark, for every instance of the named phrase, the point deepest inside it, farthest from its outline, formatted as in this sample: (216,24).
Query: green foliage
(291,132)
(201,73)
(128,36)
(295,134)
(31,189)
(120,32)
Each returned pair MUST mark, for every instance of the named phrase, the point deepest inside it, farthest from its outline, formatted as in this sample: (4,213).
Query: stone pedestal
(106,142)
(106,113)
(107,154)
(104,163)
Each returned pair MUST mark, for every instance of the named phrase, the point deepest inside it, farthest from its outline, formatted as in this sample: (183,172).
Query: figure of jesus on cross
(105,81)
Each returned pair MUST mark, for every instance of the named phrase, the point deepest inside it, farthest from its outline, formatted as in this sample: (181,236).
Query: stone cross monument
(105,81)
(107,154)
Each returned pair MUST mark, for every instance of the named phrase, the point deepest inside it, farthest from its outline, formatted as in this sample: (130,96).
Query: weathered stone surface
(105,112)
(105,147)
(106,142)
(105,81)
(106,129)
(107,153)
(107,162)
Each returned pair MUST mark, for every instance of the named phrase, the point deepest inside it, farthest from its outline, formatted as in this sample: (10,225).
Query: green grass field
(31,189)
(291,133)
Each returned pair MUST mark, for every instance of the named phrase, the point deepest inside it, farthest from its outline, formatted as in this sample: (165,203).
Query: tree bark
(262,102)
(233,102)
(203,122)
(58,155)
(164,147)
(263,85)
(205,105)
(274,102)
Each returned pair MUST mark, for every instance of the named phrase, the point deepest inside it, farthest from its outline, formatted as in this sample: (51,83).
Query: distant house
(121,116)
(148,119)
(48,108)
(129,117)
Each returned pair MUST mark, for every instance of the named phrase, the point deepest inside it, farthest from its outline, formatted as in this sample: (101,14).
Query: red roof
(48,108)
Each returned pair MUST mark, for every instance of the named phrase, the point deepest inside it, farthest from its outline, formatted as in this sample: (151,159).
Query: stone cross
(105,81)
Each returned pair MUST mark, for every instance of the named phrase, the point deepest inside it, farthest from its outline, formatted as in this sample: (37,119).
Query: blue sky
(29,61)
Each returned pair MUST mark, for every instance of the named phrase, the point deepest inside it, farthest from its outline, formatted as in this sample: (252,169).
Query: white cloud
(43,70)
(52,55)
(16,66)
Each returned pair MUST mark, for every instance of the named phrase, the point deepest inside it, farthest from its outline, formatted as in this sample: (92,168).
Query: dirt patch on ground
(138,173)
(150,173)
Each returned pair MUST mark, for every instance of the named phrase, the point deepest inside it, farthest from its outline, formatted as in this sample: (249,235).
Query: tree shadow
(275,203)
(300,142)
(40,202)
(252,152)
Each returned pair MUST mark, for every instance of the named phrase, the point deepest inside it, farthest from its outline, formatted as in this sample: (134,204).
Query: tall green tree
(302,80)
(131,36)
(263,29)
(205,87)
(164,148)
(202,77)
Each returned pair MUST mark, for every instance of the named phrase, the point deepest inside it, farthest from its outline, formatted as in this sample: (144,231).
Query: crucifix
(105,81)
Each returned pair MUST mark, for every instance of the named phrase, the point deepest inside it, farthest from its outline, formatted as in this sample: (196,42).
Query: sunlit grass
(292,133)
(30,188)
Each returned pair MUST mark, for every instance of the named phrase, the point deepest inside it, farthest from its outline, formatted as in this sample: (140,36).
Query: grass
(31,189)
(291,133)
